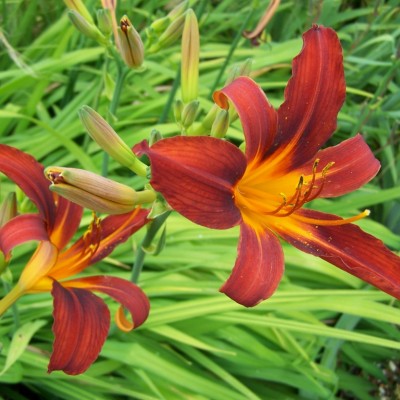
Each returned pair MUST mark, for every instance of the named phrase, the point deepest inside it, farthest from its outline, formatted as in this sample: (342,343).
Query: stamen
(311,184)
(333,222)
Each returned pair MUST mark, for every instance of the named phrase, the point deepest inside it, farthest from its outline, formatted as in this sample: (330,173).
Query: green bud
(170,35)
(189,113)
(105,136)
(210,118)
(94,191)
(80,8)
(86,28)
(190,58)
(177,11)
(104,20)
(131,46)
(160,25)
(155,136)
(178,108)
(239,70)
(8,208)
(221,124)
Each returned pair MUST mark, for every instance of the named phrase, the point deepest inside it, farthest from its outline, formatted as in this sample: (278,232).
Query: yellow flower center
(262,196)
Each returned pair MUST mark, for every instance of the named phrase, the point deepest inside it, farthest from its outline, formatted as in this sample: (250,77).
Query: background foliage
(324,334)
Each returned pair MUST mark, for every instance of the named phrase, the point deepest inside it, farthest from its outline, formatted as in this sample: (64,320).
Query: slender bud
(160,24)
(155,136)
(131,45)
(189,113)
(190,58)
(104,21)
(105,136)
(178,108)
(177,11)
(170,35)
(94,191)
(86,28)
(80,8)
(239,70)
(210,118)
(8,208)
(221,124)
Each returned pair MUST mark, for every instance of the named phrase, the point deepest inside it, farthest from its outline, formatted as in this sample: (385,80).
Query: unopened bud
(221,124)
(86,28)
(210,118)
(80,8)
(239,70)
(170,35)
(178,108)
(8,208)
(190,58)
(94,191)
(189,113)
(104,20)
(105,136)
(177,11)
(155,136)
(131,45)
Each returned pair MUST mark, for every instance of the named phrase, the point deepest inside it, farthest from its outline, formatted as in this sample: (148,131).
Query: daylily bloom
(81,319)
(212,183)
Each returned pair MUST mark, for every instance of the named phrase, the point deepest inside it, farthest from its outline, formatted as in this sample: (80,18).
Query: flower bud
(221,124)
(155,136)
(170,35)
(178,108)
(239,70)
(102,133)
(86,28)
(160,24)
(177,11)
(80,8)
(104,20)
(8,208)
(190,58)
(130,43)
(189,113)
(210,118)
(94,191)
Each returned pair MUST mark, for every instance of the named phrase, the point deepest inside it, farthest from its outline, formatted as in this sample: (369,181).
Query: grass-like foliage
(324,334)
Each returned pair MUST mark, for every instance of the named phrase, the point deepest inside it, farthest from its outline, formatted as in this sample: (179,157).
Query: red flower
(212,183)
(81,319)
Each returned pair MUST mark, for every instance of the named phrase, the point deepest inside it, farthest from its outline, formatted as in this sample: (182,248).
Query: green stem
(8,301)
(122,72)
(231,50)
(154,227)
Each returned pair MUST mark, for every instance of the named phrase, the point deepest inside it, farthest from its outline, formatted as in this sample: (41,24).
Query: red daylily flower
(81,319)
(212,183)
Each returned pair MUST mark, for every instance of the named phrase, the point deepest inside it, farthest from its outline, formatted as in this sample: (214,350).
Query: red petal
(125,292)
(347,247)
(258,269)
(116,229)
(81,323)
(355,165)
(258,117)
(68,219)
(112,231)
(196,176)
(27,173)
(313,98)
(21,229)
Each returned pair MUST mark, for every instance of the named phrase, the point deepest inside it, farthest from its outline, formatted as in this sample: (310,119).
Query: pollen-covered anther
(92,236)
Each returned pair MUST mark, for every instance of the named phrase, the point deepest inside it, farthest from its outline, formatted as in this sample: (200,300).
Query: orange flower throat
(262,196)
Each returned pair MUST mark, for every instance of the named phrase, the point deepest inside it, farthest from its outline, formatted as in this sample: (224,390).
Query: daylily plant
(81,319)
(212,183)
